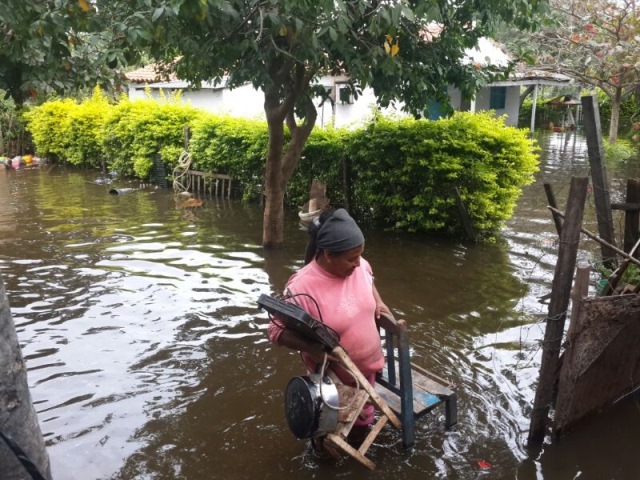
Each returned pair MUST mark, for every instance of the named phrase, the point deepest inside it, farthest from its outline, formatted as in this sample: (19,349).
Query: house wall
(243,101)
(512,104)
(356,114)
(247,102)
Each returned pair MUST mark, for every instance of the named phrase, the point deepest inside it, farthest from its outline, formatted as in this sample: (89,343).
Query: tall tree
(406,50)
(596,42)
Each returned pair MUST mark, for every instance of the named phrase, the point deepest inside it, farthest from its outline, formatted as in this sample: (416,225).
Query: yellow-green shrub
(406,171)
(50,127)
(86,128)
(233,146)
(403,172)
(136,130)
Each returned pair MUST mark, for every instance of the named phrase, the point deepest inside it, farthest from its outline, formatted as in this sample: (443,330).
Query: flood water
(148,359)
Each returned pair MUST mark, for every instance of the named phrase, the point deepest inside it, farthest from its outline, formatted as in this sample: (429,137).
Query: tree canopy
(57,46)
(596,42)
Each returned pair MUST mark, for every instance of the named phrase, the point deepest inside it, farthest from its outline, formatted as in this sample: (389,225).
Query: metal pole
(533,109)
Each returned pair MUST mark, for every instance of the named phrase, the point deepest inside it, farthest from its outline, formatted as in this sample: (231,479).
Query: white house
(503,97)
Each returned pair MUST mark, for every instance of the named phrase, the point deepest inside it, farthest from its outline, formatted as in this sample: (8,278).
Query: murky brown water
(148,358)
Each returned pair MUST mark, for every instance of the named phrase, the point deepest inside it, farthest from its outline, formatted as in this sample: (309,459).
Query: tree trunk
(274,184)
(616,100)
(18,418)
(281,164)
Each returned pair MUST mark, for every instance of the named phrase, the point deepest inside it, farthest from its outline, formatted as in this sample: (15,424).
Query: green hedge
(125,135)
(49,125)
(401,173)
(136,130)
(406,172)
(232,146)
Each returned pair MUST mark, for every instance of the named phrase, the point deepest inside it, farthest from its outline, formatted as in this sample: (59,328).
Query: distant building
(504,97)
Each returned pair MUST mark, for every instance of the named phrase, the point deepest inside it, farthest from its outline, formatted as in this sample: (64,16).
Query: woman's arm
(292,340)
(381,307)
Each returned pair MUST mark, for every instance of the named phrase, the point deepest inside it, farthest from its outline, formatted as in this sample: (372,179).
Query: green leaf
(407,12)
(157,13)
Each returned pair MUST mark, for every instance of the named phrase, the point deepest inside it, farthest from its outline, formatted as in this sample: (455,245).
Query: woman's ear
(328,258)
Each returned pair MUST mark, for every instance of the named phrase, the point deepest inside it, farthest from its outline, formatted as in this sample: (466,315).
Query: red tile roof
(150,74)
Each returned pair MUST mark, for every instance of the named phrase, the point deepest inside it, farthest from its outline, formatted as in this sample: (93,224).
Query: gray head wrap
(339,233)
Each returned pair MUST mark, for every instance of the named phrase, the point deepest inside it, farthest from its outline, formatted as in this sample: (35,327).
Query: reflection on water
(148,358)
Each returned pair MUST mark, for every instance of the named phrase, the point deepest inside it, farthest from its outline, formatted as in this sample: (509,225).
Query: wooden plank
(341,444)
(551,200)
(614,249)
(423,381)
(464,216)
(440,385)
(423,402)
(625,206)
(619,273)
(375,431)
(580,291)
(352,400)
(558,305)
(364,384)
(422,399)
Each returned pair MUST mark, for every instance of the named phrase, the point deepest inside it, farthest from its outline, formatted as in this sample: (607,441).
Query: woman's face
(343,264)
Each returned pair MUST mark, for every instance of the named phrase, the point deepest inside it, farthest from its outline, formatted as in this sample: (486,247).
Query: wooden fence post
(632,215)
(593,133)
(187,137)
(551,200)
(558,305)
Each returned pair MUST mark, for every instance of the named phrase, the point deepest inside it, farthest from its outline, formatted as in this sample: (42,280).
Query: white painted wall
(243,101)
(512,104)
(247,102)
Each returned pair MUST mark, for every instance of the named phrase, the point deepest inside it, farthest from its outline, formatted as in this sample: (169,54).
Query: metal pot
(311,406)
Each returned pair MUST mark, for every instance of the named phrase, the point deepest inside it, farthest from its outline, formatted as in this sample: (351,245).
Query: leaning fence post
(558,305)
(602,200)
(551,200)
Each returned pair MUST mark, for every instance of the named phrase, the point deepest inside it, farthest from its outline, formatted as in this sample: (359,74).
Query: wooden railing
(213,184)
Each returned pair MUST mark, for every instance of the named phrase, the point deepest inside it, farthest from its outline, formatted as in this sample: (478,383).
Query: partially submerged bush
(620,151)
(136,130)
(407,171)
(50,127)
(14,139)
(86,131)
(125,135)
(402,173)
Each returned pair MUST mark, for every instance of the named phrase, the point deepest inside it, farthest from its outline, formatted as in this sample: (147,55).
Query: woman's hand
(315,352)
(381,307)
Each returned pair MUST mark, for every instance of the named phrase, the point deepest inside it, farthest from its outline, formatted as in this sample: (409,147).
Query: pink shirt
(345,304)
